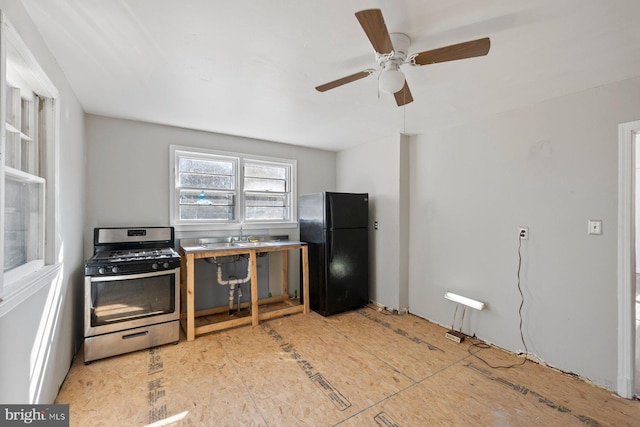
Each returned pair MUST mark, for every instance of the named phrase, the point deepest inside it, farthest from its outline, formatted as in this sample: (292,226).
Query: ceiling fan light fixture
(391,79)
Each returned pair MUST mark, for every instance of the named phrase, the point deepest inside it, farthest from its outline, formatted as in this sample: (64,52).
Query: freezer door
(347,263)
(347,210)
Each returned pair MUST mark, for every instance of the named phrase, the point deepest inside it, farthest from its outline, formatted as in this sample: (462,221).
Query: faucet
(238,238)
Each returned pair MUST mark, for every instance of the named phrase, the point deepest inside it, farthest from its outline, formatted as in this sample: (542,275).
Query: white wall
(379,168)
(40,337)
(128,164)
(551,167)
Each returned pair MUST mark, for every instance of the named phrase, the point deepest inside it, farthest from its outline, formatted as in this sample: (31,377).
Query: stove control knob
(154,265)
(101,270)
(165,264)
(115,269)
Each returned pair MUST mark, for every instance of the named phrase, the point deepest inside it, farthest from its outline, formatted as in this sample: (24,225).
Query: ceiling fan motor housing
(398,56)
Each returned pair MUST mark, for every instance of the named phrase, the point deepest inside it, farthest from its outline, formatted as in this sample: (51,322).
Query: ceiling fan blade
(452,52)
(344,80)
(374,27)
(403,96)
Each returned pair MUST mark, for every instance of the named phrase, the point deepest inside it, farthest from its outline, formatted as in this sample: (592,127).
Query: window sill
(21,290)
(234,226)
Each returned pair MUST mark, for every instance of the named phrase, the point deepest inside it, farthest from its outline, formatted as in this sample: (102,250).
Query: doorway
(636,294)
(628,368)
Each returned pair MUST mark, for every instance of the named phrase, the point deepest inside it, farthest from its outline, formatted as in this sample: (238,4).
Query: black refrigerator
(336,229)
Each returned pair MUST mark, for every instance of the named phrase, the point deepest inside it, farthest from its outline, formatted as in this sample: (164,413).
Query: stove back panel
(144,237)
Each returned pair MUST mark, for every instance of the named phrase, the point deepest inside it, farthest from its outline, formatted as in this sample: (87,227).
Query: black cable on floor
(482,345)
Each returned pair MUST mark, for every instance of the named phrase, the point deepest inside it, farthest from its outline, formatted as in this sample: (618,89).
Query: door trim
(626,258)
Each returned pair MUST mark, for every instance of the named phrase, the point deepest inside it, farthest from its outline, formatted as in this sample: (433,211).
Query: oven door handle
(134,276)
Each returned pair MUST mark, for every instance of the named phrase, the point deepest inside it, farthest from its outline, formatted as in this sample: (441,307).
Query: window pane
(209,205)
(13,150)
(267,206)
(194,197)
(21,153)
(202,212)
(23,218)
(257,184)
(218,182)
(265,171)
(252,199)
(267,213)
(212,167)
(26,116)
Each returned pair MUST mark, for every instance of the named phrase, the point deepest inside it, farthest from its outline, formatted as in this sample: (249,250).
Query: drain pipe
(232,288)
(232,284)
(235,281)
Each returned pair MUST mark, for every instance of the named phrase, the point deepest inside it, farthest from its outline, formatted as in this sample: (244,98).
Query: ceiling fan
(391,52)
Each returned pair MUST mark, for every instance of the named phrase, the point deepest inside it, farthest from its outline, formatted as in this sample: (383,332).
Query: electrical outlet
(595,226)
(523,232)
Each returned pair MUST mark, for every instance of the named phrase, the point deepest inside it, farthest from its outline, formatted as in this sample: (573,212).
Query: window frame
(36,264)
(288,181)
(234,160)
(17,64)
(239,221)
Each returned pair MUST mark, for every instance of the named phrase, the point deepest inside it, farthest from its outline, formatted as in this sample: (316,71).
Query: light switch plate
(595,226)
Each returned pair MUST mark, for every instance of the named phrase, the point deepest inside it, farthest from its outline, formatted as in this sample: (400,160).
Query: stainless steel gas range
(132,291)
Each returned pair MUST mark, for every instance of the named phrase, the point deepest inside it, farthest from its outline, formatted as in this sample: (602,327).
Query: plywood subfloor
(362,368)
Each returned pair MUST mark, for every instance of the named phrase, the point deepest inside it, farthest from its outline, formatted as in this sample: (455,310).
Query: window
(206,188)
(27,193)
(228,190)
(24,188)
(267,196)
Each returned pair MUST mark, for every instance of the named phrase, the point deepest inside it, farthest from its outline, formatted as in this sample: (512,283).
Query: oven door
(115,303)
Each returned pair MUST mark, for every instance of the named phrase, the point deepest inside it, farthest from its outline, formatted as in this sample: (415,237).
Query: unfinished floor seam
(372,354)
(244,384)
(416,383)
(373,405)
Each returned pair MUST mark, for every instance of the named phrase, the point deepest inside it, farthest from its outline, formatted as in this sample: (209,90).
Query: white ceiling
(249,67)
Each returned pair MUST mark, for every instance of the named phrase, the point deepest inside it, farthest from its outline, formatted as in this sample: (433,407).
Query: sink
(250,244)
(221,244)
(227,245)
(218,245)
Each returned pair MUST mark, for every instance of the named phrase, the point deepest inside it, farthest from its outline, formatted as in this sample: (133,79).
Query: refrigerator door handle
(330,219)
(330,243)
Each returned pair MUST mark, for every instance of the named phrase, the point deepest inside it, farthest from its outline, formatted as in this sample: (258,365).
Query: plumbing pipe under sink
(232,284)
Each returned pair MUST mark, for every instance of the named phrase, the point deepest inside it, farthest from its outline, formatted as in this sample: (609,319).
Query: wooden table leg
(284,256)
(254,288)
(191,312)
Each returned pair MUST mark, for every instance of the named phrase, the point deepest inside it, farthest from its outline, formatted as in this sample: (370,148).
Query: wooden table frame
(187,294)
